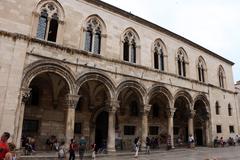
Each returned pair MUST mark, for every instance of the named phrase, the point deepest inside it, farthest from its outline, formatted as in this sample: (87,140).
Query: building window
(219,129)
(158,56)
(201,69)
(221,76)
(78,128)
(153,130)
(34,96)
(181,63)
(229,110)
(129,130)
(129,47)
(134,108)
(30,126)
(93,36)
(231,129)
(217,108)
(48,23)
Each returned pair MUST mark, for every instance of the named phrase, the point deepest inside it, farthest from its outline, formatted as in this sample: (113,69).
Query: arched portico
(96,91)
(47,86)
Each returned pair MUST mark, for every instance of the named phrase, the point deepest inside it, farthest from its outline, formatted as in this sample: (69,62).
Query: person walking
(148,143)
(82,147)
(4,148)
(72,148)
(191,141)
(62,151)
(137,145)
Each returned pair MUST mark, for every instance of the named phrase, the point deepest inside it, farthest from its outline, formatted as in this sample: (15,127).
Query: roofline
(126,14)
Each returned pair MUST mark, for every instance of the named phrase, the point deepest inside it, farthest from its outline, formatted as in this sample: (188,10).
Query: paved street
(227,153)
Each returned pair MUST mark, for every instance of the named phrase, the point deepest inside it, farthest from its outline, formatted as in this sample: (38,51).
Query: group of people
(29,145)
(7,150)
(230,141)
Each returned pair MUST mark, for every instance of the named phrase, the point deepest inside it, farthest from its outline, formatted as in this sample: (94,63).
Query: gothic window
(201,69)
(217,107)
(229,110)
(48,22)
(134,108)
(158,56)
(129,47)
(93,36)
(219,128)
(221,77)
(231,129)
(181,63)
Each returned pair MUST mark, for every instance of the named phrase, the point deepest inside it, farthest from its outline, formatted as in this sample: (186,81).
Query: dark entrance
(101,131)
(199,137)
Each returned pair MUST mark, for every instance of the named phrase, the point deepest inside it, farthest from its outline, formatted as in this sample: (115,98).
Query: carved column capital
(71,101)
(146,109)
(25,94)
(170,112)
(192,113)
(112,105)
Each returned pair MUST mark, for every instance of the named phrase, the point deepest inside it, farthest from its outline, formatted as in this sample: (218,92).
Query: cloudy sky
(213,24)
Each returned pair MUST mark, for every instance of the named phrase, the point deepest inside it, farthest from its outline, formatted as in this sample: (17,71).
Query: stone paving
(199,153)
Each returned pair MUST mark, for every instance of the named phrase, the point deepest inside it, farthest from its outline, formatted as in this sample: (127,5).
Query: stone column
(170,112)
(207,129)
(71,103)
(145,112)
(190,122)
(112,108)
(23,98)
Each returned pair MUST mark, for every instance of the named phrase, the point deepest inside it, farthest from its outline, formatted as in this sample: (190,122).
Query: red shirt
(3,149)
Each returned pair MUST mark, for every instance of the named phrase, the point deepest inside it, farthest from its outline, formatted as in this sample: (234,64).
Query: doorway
(101,130)
(199,137)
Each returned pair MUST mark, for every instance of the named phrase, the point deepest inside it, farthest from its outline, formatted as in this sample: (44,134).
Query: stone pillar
(23,98)
(190,123)
(207,130)
(145,112)
(71,103)
(170,112)
(112,108)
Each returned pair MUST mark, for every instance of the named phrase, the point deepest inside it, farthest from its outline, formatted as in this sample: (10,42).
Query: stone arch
(141,90)
(186,95)
(183,51)
(204,99)
(41,3)
(160,89)
(97,76)
(165,52)
(130,29)
(42,66)
(96,113)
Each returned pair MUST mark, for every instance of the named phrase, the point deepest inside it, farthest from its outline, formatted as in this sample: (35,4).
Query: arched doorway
(200,123)
(181,116)
(101,129)
(45,108)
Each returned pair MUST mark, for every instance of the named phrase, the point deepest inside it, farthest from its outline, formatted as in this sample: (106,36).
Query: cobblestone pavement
(227,153)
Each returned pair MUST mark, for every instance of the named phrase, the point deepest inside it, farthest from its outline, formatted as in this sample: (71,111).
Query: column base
(111,150)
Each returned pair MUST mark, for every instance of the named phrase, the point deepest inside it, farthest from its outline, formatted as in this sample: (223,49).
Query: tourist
(221,141)
(191,141)
(72,148)
(62,151)
(11,155)
(236,140)
(93,151)
(82,147)
(4,148)
(169,142)
(215,142)
(148,143)
(137,146)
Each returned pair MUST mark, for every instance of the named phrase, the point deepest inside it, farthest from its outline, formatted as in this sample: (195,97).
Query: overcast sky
(213,24)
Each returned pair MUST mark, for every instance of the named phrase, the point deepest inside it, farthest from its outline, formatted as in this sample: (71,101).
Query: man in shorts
(3,145)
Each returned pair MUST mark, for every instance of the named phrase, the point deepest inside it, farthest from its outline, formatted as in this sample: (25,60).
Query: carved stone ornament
(192,113)
(113,105)
(170,112)
(71,100)
(146,109)
(25,94)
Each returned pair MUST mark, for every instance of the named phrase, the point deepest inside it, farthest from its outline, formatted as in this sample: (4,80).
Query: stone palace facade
(84,67)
